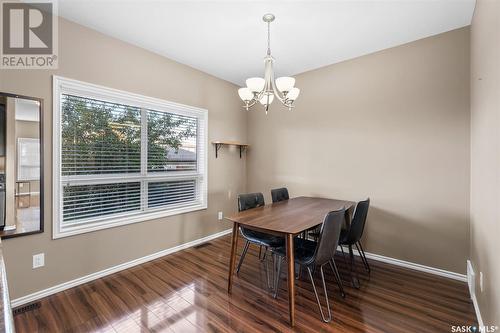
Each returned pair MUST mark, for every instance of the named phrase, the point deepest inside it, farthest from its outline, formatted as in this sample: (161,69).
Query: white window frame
(62,86)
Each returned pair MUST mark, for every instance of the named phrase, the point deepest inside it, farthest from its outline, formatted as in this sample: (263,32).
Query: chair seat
(304,251)
(261,238)
(314,231)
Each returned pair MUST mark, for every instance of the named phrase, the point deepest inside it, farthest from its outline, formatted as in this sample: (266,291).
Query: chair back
(358,222)
(250,200)
(329,236)
(279,194)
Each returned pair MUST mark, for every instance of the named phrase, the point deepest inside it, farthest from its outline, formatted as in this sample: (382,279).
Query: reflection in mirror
(19,165)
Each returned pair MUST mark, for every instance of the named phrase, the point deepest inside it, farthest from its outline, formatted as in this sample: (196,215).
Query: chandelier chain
(268,38)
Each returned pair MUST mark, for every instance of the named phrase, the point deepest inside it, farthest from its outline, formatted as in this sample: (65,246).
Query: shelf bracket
(217,147)
(242,148)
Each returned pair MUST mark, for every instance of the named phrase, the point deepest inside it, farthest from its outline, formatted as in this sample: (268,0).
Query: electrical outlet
(220,216)
(481,281)
(38,260)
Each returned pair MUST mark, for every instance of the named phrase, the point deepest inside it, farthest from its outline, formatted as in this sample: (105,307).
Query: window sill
(121,221)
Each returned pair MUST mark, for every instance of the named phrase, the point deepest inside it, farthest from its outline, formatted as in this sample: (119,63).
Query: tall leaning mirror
(21,169)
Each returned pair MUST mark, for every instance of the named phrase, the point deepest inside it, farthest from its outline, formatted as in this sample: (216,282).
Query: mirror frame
(14,233)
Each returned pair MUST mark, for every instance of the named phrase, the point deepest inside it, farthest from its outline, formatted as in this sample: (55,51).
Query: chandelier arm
(251,103)
(281,97)
(258,96)
(269,77)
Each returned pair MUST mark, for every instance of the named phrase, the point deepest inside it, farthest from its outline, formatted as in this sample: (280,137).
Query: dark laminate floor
(186,292)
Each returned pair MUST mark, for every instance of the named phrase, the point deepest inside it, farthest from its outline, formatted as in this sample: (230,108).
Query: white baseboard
(96,275)
(471,280)
(412,265)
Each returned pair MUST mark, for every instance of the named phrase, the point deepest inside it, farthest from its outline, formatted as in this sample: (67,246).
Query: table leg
(232,259)
(291,278)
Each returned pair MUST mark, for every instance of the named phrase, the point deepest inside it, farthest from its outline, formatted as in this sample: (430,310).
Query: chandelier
(263,90)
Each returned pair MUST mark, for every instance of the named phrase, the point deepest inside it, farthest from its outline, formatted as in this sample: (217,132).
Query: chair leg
(362,253)
(268,275)
(347,264)
(337,277)
(361,256)
(243,254)
(354,277)
(277,277)
(343,255)
(262,254)
(326,320)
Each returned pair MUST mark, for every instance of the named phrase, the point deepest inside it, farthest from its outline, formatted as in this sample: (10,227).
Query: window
(121,158)
(28,159)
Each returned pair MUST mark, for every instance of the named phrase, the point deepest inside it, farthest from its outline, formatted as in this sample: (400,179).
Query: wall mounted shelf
(219,144)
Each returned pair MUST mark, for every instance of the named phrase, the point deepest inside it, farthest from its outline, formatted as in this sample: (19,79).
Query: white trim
(95,91)
(414,266)
(63,85)
(96,275)
(471,280)
(124,219)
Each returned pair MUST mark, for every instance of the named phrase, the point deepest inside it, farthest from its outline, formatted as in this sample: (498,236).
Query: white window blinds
(122,158)
(28,157)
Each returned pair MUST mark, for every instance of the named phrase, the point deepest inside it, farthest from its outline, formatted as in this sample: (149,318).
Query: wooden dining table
(285,218)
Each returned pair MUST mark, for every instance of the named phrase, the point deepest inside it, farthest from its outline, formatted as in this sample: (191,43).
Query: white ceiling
(228,38)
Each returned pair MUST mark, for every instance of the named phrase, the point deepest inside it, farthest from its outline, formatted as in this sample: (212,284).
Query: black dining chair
(249,201)
(279,194)
(311,254)
(352,236)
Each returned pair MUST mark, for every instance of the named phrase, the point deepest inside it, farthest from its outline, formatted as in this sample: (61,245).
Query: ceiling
(228,38)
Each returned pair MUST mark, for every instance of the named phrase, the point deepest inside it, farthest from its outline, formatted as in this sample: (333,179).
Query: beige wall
(485,156)
(92,57)
(394,126)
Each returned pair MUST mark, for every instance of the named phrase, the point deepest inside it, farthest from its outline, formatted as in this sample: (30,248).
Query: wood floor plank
(187,292)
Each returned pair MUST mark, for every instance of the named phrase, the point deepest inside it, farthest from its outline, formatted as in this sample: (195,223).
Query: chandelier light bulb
(293,94)
(285,83)
(245,94)
(264,99)
(255,84)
